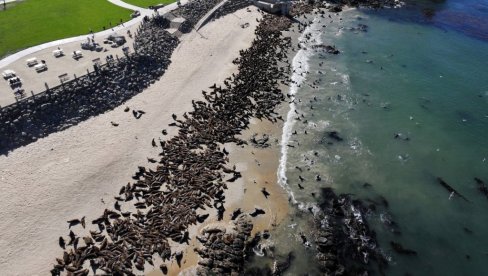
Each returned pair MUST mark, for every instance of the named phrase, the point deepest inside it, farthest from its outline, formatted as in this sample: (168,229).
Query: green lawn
(147,3)
(33,22)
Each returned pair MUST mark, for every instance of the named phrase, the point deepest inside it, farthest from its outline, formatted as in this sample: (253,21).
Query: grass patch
(147,3)
(34,22)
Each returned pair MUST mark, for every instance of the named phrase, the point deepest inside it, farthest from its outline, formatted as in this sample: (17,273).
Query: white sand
(65,175)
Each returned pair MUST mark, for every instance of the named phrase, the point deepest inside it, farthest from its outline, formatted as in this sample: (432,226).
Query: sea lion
(236,213)
(265,193)
(257,212)
(335,135)
(450,189)
(202,218)
(62,243)
(179,257)
(137,114)
(481,186)
(304,240)
(122,190)
(88,241)
(163,269)
(401,250)
(75,243)
(73,222)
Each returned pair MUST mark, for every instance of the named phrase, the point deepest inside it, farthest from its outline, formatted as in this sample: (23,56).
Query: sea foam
(300,67)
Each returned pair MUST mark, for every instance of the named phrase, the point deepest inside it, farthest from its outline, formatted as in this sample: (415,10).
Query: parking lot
(62,67)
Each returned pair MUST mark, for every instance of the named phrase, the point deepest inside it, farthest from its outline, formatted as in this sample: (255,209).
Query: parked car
(77,55)
(7,74)
(31,62)
(40,67)
(58,53)
(15,82)
(118,39)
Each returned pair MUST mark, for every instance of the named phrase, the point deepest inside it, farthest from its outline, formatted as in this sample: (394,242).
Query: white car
(77,54)
(7,74)
(40,67)
(31,62)
(58,53)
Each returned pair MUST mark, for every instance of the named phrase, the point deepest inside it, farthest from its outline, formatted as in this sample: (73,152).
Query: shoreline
(77,190)
(244,194)
(259,168)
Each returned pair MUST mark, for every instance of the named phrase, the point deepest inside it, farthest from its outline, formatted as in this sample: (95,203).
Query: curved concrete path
(209,15)
(126,5)
(16,56)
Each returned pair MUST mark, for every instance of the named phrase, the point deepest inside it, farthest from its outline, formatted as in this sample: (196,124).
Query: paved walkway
(127,6)
(14,57)
(209,15)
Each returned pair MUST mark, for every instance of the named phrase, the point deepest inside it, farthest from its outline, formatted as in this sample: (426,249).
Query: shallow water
(428,85)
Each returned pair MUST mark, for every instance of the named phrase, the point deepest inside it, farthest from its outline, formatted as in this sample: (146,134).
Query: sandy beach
(77,172)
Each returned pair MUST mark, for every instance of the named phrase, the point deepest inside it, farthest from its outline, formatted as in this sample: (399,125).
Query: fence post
(62,84)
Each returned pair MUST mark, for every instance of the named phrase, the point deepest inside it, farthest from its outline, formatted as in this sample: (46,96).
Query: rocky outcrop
(345,244)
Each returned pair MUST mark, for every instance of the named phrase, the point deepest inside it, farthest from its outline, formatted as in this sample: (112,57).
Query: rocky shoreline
(345,245)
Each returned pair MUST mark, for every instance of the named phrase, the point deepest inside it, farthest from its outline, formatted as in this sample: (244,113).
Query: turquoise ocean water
(423,80)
